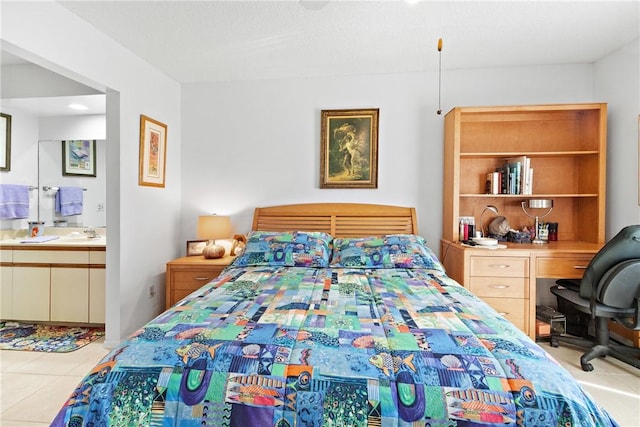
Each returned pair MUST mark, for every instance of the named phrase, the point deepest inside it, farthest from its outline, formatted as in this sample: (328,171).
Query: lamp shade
(540,203)
(212,227)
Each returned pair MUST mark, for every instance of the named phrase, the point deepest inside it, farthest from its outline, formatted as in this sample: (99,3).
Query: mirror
(50,177)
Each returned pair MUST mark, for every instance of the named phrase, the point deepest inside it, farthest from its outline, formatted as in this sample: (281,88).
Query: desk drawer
(499,287)
(566,267)
(499,266)
(513,309)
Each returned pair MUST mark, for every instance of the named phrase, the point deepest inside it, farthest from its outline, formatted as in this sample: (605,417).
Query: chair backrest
(622,247)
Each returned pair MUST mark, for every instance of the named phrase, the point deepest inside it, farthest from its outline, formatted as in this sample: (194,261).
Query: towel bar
(49,188)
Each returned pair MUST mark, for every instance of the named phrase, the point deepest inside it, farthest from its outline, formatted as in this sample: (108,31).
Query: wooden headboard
(337,219)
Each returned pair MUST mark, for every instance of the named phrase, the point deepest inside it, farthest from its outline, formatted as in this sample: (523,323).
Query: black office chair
(608,290)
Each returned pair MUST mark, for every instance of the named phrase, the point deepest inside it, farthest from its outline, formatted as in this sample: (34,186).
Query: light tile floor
(33,386)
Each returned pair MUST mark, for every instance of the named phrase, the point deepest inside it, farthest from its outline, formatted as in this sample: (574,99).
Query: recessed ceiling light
(78,107)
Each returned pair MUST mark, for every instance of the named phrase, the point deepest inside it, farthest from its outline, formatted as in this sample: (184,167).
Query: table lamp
(212,227)
(486,208)
(537,204)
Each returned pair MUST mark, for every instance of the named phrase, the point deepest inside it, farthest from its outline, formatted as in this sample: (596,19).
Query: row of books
(514,177)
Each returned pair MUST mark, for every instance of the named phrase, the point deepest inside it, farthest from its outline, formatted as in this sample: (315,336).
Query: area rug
(46,338)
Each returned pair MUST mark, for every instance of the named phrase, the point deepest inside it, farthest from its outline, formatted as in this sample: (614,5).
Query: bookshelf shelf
(530,154)
(529,196)
(566,147)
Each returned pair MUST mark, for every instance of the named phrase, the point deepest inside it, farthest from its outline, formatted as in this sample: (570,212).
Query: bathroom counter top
(58,243)
(76,241)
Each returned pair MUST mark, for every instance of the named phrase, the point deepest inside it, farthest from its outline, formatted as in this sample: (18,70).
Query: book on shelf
(517,176)
(493,183)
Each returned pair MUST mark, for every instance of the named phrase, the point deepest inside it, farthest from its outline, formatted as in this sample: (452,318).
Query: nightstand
(186,274)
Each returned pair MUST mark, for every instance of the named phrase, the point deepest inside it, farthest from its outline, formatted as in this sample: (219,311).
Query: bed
(335,315)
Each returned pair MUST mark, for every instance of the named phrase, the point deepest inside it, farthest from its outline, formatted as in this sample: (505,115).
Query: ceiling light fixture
(78,107)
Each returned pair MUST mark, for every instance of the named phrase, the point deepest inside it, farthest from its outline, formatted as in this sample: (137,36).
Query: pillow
(290,249)
(388,251)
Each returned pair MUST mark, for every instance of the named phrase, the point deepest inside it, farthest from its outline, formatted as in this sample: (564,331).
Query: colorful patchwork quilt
(275,345)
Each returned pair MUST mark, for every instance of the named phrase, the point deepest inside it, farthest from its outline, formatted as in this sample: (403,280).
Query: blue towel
(69,201)
(14,201)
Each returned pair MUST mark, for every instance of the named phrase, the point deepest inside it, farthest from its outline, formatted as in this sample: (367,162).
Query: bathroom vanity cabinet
(53,283)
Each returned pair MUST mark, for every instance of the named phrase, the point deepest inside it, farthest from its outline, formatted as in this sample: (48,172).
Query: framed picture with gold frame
(153,152)
(349,148)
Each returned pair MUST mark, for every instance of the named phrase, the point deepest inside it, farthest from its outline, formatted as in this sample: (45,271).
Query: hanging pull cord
(439,75)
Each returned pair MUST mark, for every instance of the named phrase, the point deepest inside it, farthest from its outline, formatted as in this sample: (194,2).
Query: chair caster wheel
(587,367)
(554,343)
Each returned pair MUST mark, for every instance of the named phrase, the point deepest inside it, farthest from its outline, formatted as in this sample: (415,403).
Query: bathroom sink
(79,238)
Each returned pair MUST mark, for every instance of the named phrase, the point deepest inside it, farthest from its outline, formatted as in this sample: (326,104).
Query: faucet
(91,233)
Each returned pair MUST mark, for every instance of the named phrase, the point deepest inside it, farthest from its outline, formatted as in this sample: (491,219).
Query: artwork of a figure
(350,151)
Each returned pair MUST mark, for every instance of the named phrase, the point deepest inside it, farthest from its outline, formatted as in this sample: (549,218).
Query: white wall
(142,222)
(24,162)
(617,79)
(249,144)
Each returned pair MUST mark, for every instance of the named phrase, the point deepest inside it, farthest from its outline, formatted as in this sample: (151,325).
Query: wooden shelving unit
(567,147)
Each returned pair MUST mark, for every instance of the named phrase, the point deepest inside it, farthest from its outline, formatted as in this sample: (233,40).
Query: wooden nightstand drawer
(513,309)
(499,266)
(186,274)
(566,267)
(194,279)
(499,287)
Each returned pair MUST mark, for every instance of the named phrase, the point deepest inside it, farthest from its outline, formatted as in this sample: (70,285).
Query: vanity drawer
(97,257)
(499,266)
(6,255)
(51,257)
(566,267)
(499,287)
(513,309)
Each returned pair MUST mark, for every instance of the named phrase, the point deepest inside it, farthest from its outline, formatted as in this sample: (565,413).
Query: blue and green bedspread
(297,346)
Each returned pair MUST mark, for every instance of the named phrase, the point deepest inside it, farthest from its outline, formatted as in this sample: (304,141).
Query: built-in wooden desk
(506,278)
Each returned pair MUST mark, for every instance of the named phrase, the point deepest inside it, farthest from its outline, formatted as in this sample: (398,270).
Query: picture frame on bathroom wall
(5,142)
(153,150)
(195,247)
(79,158)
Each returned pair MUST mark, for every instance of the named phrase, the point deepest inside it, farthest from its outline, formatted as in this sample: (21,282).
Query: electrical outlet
(100,207)
(152,291)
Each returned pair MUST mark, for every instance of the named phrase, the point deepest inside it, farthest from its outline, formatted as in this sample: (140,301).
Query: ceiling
(208,41)
(203,41)
(54,106)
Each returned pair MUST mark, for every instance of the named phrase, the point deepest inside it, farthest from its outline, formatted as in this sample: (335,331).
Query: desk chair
(608,290)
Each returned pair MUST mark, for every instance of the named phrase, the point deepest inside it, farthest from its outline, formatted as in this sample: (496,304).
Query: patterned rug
(48,338)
